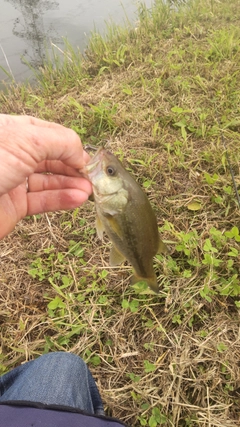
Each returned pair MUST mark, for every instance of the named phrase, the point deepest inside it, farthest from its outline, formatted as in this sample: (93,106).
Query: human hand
(30,147)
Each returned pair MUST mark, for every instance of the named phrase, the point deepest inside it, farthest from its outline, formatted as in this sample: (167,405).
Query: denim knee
(62,357)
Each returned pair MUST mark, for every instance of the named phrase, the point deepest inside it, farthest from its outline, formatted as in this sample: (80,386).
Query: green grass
(162,94)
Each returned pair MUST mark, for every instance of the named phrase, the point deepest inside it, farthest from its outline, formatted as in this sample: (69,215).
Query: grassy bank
(166,96)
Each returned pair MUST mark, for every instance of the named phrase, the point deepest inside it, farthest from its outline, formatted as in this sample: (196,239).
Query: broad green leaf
(56,303)
(148,366)
(194,206)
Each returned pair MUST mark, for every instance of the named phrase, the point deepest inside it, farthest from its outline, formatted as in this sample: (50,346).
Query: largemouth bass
(125,214)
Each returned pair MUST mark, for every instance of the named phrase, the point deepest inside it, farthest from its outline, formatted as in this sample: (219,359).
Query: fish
(125,214)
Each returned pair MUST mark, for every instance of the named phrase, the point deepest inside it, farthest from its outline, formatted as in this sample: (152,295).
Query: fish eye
(111,171)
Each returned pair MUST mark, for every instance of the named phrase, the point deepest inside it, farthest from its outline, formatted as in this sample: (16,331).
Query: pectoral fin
(99,228)
(114,225)
(162,248)
(116,257)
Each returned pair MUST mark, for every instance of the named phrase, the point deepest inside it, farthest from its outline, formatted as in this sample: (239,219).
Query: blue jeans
(54,379)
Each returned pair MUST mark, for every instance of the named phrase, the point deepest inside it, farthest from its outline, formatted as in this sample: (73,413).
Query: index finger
(48,140)
(6,119)
(58,143)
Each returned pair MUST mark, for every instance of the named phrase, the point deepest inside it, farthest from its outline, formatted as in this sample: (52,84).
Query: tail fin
(151,281)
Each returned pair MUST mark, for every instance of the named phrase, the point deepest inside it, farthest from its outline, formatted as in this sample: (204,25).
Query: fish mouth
(94,162)
(91,165)
(90,147)
(88,169)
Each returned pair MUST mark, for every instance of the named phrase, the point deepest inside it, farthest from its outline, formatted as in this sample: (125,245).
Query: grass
(163,95)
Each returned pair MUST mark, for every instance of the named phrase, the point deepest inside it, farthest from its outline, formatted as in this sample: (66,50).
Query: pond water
(27,27)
